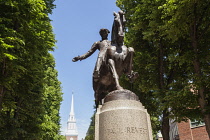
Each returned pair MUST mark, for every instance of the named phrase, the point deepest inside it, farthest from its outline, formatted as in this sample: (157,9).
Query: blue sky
(76,25)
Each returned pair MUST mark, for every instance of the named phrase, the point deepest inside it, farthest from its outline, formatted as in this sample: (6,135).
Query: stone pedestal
(122,117)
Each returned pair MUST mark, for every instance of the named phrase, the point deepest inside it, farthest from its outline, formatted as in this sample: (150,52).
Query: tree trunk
(161,68)
(202,97)
(165,125)
(207,122)
(16,111)
(2,89)
(165,120)
(1,97)
(198,73)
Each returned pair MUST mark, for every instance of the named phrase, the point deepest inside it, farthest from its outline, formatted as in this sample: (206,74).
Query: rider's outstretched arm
(90,52)
(86,55)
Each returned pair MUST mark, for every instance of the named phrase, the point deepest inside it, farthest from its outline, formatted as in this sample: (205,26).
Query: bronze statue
(114,59)
(102,46)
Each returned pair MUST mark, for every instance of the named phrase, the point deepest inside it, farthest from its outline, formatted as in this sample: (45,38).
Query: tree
(26,95)
(160,61)
(51,100)
(90,135)
(189,21)
(143,34)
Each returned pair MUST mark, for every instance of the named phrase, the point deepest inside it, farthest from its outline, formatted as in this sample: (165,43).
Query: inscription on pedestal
(123,120)
(127,130)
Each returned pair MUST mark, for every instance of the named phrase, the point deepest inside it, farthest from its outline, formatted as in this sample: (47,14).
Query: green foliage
(52,99)
(90,135)
(171,41)
(30,93)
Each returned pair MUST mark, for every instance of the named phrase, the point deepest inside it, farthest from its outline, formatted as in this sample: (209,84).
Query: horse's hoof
(133,76)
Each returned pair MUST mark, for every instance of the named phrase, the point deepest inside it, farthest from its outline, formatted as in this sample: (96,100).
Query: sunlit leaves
(171,40)
(30,92)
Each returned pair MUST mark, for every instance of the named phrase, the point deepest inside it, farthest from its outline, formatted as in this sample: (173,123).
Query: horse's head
(118,28)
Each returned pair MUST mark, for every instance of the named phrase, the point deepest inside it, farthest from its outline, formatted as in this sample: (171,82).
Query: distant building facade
(72,133)
(187,131)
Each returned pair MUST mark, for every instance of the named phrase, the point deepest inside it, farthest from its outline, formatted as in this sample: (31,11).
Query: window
(196,123)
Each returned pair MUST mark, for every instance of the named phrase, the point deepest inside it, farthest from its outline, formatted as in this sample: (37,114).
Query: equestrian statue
(114,59)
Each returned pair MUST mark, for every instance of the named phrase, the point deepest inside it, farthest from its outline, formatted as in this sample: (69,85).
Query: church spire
(71,133)
(72,105)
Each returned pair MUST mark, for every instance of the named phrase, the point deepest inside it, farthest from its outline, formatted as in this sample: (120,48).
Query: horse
(118,60)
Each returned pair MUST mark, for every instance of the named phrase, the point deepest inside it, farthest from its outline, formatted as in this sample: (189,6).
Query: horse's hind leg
(99,96)
(114,72)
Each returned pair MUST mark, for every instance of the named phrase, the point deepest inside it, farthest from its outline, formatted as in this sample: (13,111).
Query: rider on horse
(114,59)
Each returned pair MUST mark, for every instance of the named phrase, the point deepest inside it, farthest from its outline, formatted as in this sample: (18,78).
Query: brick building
(187,131)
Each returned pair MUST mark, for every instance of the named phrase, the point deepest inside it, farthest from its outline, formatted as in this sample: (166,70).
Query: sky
(76,25)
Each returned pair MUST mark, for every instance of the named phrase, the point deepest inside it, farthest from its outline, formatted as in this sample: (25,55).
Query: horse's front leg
(114,72)
(129,60)
(129,64)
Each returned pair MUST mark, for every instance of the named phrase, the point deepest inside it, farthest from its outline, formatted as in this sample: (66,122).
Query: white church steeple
(72,133)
